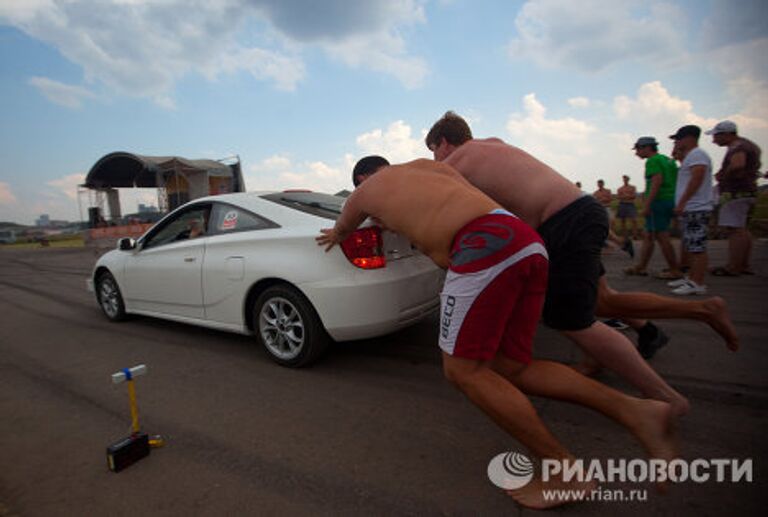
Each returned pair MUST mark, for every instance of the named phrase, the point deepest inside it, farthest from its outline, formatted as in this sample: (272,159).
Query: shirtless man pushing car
(491,302)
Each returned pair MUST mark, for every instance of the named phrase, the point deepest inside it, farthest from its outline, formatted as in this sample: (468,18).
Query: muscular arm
(736,164)
(351,216)
(697,178)
(738,161)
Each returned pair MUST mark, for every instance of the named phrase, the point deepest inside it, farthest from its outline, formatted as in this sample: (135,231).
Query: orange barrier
(116,232)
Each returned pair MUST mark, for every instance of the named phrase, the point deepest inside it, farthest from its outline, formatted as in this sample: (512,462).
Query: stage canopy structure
(176,179)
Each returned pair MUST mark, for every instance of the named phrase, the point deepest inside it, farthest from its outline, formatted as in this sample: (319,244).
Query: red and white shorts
(494,289)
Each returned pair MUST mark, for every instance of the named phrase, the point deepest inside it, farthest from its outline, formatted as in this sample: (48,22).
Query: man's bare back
(426,201)
(521,183)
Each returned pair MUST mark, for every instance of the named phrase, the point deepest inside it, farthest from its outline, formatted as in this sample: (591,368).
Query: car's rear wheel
(288,327)
(109,297)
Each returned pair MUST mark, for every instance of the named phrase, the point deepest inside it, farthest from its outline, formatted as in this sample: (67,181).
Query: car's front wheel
(109,297)
(288,327)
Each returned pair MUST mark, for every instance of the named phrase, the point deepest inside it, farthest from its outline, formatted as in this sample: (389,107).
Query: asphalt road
(373,429)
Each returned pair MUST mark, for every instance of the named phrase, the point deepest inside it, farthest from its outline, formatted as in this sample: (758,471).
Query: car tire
(288,327)
(109,297)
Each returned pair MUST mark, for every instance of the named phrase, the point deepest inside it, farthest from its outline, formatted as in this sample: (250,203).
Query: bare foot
(653,424)
(539,495)
(679,404)
(717,317)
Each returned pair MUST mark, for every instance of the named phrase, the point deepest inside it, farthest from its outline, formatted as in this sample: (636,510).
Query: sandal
(635,271)
(721,271)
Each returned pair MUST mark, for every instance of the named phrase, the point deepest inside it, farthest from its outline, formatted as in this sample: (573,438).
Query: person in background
(658,208)
(627,211)
(604,196)
(737,184)
(693,207)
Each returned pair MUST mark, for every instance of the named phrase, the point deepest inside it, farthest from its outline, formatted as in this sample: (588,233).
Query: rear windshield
(315,203)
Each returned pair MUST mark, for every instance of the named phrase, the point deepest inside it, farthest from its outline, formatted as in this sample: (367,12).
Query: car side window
(228,219)
(189,224)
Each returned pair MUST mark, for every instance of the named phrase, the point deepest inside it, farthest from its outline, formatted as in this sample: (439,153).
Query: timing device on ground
(131,449)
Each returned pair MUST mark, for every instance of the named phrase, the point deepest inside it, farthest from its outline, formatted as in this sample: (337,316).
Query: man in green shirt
(658,207)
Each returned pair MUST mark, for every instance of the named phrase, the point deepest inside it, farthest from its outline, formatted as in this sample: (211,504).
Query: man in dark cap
(693,206)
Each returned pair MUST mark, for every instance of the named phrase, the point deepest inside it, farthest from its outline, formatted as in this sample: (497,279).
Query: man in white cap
(737,184)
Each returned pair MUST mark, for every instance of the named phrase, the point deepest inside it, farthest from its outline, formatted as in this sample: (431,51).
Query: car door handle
(189,259)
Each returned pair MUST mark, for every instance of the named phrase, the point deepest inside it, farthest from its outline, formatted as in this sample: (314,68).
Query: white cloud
(6,195)
(586,151)
(551,137)
(20,11)
(591,35)
(579,102)
(655,107)
(654,111)
(67,185)
(62,94)
(142,48)
(278,172)
(57,198)
(396,143)
(285,71)
(576,148)
(383,52)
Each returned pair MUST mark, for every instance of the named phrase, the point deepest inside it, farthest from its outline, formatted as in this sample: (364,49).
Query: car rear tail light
(365,248)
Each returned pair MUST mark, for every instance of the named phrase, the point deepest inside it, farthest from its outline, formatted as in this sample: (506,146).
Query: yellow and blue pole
(126,375)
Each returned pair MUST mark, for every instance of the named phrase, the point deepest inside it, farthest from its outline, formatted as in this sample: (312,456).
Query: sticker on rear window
(230,221)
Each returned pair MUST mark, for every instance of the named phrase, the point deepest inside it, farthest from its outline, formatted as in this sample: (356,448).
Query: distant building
(45,221)
(147,209)
(7,236)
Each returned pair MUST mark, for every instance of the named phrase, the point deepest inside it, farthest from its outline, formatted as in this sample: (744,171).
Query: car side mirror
(126,243)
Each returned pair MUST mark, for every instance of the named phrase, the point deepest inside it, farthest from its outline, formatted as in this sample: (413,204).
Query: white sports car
(249,263)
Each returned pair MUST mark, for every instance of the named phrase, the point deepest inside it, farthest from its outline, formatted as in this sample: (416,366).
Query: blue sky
(301,89)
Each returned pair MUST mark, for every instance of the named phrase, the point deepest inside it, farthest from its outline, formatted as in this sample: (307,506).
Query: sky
(301,89)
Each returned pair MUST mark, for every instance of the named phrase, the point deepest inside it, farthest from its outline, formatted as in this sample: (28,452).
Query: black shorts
(626,210)
(574,238)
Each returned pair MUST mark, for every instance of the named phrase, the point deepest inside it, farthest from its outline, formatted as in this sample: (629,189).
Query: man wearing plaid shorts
(693,206)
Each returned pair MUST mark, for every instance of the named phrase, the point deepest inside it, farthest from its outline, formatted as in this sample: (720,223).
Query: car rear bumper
(373,303)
